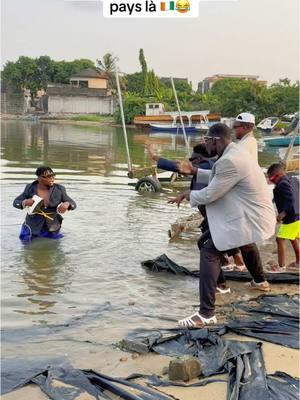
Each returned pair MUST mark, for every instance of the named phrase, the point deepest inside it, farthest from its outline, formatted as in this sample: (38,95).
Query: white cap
(246,117)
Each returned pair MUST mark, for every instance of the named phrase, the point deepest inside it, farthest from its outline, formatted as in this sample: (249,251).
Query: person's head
(217,139)
(276,172)
(45,175)
(199,154)
(243,124)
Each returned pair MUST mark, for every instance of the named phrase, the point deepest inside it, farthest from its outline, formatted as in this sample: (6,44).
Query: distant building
(155,109)
(87,93)
(208,82)
(168,80)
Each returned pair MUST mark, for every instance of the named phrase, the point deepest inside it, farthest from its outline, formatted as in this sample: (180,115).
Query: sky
(255,37)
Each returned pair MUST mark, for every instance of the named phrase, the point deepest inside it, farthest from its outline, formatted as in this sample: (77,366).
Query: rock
(134,355)
(165,370)
(123,358)
(131,303)
(134,346)
(184,369)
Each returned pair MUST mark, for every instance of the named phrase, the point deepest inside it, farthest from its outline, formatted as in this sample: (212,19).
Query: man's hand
(27,202)
(63,207)
(152,154)
(179,199)
(280,216)
(186,168)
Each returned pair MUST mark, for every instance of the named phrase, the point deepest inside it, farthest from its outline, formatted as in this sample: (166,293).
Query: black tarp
(243,361)
(164,264)
(60,381)
(273,318)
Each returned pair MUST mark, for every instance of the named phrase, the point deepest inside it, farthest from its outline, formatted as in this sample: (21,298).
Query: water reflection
(43,274)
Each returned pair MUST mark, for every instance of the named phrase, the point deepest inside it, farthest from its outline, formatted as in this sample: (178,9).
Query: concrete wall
(80,104)
(14,103)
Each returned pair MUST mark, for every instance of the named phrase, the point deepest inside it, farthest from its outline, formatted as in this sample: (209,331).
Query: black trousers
(210,269)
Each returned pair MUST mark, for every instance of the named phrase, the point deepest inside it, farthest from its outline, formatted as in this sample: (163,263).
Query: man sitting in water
(51,200)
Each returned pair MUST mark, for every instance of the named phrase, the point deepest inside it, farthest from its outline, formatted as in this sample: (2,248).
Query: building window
(83,84)
(156,105)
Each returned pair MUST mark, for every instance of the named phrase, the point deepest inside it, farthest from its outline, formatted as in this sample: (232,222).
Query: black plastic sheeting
(275,318)
(243,361)
(63,382)
(164,264)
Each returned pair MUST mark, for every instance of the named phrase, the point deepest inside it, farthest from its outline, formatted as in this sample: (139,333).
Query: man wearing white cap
(243,127)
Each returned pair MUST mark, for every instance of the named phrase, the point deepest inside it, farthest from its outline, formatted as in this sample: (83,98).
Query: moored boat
(281,141)
(173,128)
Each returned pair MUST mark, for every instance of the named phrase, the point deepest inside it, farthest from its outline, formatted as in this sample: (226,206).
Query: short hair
(201,149)
(42,169)
(275,167)
(220,130)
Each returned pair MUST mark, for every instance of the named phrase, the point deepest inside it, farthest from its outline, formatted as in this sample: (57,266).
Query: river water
(90,284)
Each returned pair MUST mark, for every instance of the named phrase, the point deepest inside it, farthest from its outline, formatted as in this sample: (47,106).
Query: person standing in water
(51,201)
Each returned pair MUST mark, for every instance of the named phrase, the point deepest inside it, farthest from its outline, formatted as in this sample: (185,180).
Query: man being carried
(51,200)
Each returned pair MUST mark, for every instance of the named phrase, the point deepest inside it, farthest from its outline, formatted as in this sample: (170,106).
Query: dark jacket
(38,223)
(286,197)
(204,164)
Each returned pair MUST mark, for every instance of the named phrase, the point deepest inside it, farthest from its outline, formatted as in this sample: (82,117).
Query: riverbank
(68,119)
(112,361)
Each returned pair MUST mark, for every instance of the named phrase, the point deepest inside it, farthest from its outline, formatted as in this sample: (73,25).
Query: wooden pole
(180,117)
(123,121)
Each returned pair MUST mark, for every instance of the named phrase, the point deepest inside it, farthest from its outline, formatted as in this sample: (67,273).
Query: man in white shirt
(243,128)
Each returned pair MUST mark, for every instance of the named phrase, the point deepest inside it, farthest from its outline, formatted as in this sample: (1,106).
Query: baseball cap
(246,117)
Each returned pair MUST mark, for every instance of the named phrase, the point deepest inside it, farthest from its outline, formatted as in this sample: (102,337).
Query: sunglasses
(47,176)
(237,126)
(208,138)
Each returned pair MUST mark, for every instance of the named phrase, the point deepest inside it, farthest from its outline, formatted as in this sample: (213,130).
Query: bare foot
(293,265)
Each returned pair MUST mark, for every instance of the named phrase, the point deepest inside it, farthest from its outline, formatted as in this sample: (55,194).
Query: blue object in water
(26,234)
(281,141)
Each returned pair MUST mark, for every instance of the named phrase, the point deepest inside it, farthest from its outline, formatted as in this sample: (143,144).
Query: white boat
(202,127)
(268,124)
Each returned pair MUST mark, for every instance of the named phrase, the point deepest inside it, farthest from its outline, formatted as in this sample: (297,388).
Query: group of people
(230,190)
(239,210)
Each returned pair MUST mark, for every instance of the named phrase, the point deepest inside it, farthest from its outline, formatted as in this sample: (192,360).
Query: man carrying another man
(239,211)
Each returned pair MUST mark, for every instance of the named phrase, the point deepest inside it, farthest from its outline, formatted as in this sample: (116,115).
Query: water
(89,285)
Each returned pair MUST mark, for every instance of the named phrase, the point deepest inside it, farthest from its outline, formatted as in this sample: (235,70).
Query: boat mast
(123,121)
(180,117)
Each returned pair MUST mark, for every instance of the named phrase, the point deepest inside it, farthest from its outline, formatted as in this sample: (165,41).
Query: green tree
(236,95)
(135,83)
(65,69)
(36,73)
(107,65)
(133,105)
(22,74)
(144,72)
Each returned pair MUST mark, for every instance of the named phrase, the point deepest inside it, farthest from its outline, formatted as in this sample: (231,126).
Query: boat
(175,128)
(268,124)
(281,141)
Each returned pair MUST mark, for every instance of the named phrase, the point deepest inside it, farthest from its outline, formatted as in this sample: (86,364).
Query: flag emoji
(166,6)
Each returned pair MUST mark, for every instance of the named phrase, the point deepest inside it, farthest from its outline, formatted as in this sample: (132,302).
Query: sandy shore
(115,362)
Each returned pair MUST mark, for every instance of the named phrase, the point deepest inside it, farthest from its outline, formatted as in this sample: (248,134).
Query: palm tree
(107,66)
